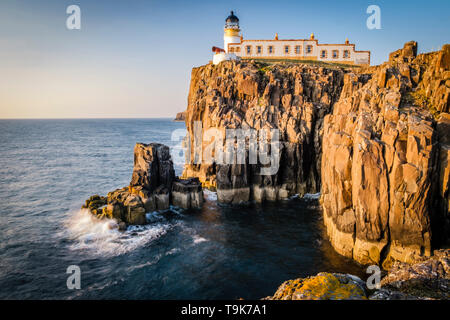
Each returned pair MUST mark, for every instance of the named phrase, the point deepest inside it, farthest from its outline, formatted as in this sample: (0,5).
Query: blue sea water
(49,167)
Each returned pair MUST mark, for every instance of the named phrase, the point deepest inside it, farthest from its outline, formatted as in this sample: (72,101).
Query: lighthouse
(231,31)
(230,36)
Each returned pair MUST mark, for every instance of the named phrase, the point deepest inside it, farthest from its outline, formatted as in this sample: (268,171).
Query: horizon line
(89,118)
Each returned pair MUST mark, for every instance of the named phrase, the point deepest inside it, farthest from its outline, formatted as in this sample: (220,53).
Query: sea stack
(181,116)
(150,188)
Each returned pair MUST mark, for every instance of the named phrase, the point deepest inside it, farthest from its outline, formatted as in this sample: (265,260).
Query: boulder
(323,286)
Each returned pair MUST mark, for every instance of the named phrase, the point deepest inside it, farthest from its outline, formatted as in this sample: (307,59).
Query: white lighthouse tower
(231,35)
(231,31)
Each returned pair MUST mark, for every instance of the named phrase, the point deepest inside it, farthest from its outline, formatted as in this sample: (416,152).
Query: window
(298,49)
(335,54)
(286,49)
(248,49)
(323,54)
(346,54)
(270,49)
(231,49)
(238,49)
(308,48)
(259,49)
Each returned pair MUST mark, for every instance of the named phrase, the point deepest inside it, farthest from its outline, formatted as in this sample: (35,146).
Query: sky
(133,58)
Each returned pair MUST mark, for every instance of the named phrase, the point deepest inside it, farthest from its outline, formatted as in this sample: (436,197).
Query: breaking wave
(210,195)
(101,237)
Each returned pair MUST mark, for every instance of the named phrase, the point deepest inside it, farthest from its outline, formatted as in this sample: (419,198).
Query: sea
(48,168)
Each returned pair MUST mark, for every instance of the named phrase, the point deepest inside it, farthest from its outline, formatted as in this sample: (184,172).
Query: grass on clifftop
(419,98)
(269,62)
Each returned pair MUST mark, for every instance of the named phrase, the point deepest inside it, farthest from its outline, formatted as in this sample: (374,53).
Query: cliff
(373,141)
(385,159)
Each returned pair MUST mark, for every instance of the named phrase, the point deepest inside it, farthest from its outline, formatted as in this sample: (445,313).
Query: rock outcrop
(153,182)
(430,278)
(323,286)
(373,141)
(426,280)
(181,116)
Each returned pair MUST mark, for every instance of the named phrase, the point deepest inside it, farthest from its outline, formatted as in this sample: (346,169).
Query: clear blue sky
(133,58)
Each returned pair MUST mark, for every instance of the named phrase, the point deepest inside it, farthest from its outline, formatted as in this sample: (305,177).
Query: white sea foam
(145,264)
(154,216)
(101,237)
(153,261)
(312,196)
(198,239)
(210,195)
(172,251)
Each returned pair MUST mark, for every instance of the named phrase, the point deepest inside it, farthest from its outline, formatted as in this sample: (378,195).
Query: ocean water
(49,167)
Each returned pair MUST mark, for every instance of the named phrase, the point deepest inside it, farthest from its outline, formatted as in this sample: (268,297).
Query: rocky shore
(426,280)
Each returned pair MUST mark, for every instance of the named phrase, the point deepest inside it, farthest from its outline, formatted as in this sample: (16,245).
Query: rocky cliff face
(374,141)
(291,98)
(385,159)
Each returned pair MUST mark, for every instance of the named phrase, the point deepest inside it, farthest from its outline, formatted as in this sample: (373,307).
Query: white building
(295,49)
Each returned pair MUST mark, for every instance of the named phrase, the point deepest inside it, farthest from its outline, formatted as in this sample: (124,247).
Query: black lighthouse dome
(232,18)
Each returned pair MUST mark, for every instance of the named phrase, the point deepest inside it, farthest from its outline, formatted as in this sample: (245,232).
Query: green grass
(420,99)
(265,64)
